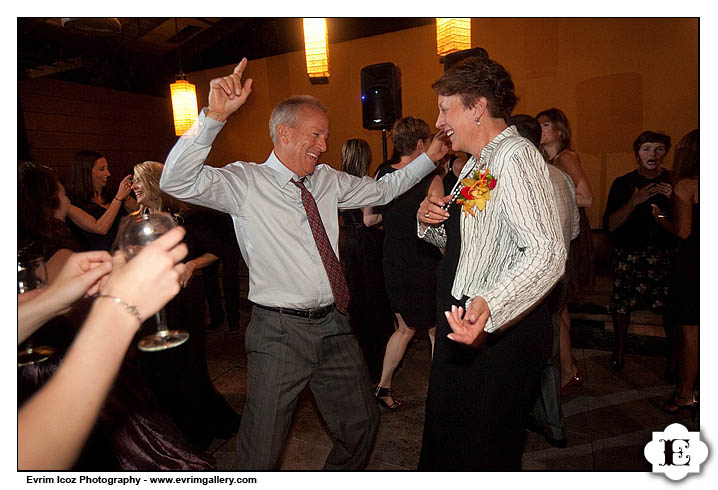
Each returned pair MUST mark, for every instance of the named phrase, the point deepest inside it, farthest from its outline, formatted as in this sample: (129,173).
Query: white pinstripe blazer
(512,252)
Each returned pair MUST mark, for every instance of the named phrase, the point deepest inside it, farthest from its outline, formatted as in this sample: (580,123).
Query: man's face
(303,143)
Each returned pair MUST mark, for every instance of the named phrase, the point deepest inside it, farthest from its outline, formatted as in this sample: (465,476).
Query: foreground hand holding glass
(136,232)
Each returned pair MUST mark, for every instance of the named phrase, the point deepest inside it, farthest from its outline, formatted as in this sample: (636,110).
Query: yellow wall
(612,77)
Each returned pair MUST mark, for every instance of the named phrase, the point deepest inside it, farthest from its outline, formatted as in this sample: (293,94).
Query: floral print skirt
(640,279)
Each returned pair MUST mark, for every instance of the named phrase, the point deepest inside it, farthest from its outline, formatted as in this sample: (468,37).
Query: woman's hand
(124,189)
(438,147)
(430,210)
(665,188)
(187,273)
(227,94)
(619,217)
(657,213)
(643,194)
(468,328)
(151,278)
(371,216)
(82,275)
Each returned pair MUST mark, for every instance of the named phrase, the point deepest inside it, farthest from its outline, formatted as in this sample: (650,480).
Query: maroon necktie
(329,258)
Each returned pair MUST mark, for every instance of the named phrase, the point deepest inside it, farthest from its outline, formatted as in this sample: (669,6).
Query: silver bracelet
(131,308)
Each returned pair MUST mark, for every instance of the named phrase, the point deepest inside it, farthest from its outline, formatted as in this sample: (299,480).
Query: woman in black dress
(360,249)
(409,263)
(642,249)
(93,217)
(684,296)
(179,376)
(504,252)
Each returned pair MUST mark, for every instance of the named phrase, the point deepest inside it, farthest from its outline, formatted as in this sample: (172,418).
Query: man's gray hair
(287,112)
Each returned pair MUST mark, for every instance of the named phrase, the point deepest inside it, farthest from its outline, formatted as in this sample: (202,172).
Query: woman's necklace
(551,160)
(468,168)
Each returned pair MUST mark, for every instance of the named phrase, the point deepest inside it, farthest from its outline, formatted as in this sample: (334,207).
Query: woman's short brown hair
(651,137)
(476,77)
(407,132)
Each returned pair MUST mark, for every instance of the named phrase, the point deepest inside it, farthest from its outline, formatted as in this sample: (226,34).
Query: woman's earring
(476,120)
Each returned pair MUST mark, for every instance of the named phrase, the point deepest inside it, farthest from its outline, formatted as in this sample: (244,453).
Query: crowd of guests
(477,234)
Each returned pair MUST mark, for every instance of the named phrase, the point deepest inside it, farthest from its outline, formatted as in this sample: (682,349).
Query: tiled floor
(609,419)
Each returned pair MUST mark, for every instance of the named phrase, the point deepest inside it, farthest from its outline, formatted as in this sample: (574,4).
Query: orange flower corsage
(476,191)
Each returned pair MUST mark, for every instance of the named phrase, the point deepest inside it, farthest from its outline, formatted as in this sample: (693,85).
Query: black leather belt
(313,314)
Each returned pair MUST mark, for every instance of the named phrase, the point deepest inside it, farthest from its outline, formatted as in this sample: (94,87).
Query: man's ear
(283,133)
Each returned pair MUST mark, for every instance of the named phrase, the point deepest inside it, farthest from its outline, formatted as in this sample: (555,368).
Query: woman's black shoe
(381,394)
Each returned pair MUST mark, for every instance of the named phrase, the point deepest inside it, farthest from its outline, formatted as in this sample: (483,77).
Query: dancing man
(285,218)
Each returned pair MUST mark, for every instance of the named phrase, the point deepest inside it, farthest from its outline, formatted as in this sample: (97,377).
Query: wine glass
(136,232)
(31,274)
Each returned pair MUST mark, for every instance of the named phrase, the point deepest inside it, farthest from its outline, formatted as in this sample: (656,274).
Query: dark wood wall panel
(62,118)
(78,141)
(130,123)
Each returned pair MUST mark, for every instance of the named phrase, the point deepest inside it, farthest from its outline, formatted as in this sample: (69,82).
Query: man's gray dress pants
(285,353)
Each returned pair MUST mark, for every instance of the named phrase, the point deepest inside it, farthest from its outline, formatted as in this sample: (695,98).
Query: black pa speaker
(452,58)
(380,95)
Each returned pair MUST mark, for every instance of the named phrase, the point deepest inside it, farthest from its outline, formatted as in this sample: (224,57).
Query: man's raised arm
(227,94)
(185,176)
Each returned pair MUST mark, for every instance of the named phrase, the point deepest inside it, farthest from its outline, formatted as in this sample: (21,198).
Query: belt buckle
(316,314)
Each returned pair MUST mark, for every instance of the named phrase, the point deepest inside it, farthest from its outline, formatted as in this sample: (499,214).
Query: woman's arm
(568,162)
(618,217)
(430,219)
(131,205)
(527,212)
(54,424)
(436,187)
(205,245)
(102,225)
(371,216)
(80,275)
(197,263)
(56,263)
(683,195)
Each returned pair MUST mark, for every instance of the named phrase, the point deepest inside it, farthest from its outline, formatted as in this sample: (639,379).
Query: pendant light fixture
(184,104)
(316,50)
(452,34)
(184,100)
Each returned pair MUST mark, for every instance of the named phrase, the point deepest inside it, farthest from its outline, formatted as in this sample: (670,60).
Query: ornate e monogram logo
(676,452)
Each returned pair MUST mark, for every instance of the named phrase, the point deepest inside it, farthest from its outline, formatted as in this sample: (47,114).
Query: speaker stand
(383,144)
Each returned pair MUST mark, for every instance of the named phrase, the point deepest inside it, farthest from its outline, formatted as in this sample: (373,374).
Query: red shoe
(575,381)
